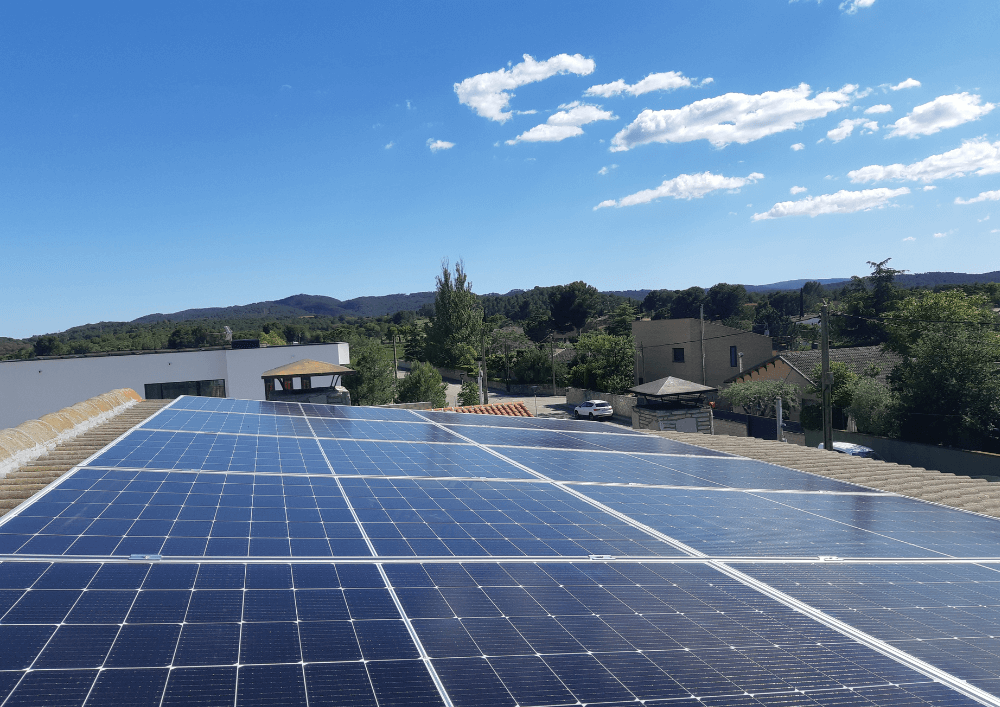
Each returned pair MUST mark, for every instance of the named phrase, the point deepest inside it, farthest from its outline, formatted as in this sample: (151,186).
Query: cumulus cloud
(973,157)
(983,196)
(852,6)
(664,81)
(436,145)
(909,83)
(940,235)
(732,117)
(843,202)
(489,94)
(943,112)
(389,145)
(880,108)
(846,127)
(929,188)
(909,238)
(798,190)
(566,123)
(995,230)
(684,186)
(607,168)
(798,146)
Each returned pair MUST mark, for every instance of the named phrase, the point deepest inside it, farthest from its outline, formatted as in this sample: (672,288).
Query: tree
(538,324)
(453,336)
(415,342)
(770,322)
(949,387)
(873,407)
(621,320)
(372,382)
(844,380)
(657,300)
(866,300)
(535,366)
(572,305)
(724,300)
(469,394)
(423,384)
(687,303)
(923,310)
(757,397)
(604,362)
(48,345)
(271,338)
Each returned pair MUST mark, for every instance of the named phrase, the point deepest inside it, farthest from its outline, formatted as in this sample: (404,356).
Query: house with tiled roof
(796,367)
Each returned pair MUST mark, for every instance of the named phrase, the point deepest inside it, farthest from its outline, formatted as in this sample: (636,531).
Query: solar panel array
(232,552)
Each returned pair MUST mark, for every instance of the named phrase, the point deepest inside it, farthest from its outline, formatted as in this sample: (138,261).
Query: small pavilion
(671,392)
(280,382)
(672,404)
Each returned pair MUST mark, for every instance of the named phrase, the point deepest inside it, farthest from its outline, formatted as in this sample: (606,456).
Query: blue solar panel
(463,518)
(350,457)
(233,423)
(215,452)
(585,466)
(214,486)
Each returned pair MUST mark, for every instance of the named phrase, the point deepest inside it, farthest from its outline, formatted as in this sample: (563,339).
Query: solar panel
(248,553)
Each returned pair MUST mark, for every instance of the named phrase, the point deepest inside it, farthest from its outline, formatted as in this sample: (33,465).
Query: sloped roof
(307,367)
(859,359)
(671,386)
(516,409)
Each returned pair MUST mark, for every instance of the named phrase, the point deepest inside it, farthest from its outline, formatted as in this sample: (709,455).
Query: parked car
(593,409)
(854,450)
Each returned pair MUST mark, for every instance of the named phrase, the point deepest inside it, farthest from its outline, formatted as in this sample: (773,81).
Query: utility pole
(486,388)
(552,357)
(777,408)
(395,371)
(702,317)
(827,381)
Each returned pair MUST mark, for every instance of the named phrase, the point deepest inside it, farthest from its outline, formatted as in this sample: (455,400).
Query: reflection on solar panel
(248,553)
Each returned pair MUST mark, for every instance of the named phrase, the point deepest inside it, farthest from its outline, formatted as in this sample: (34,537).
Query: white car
(593,409)
(854,450)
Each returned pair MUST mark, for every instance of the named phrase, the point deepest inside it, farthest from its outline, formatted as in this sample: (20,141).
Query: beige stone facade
(657,340)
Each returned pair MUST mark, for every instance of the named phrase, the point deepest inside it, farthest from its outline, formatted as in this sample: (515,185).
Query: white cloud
(983,196)
(852,6)
(389,145)
(798,146)
(665,81)
(974,156)
(489,94)
(798,190)
(930,188)
(940,235)
(943,112)
(909,238)
(995,230)
(566,123)
(986,218)
(846,127)
(409,105)
(909,83)
(732,117)
(684,186)
(436,145)
(607,168)
(880,108)
(843,202)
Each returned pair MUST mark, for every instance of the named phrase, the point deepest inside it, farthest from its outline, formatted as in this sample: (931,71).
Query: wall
(953,461)
(30,389)
(677,419)
(621,404)
(655,341)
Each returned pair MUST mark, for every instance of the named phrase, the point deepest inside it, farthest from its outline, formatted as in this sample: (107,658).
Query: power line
(911,321)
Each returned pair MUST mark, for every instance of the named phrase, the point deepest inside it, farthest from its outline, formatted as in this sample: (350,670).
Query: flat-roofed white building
(32,388)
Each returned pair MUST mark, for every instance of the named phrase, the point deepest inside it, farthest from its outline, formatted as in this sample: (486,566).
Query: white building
(30,389)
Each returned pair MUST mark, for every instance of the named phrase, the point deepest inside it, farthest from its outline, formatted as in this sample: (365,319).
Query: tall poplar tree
(453,337)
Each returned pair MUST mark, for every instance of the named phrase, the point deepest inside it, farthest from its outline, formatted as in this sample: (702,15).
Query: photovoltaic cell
(463,518)
(274,633)
(580,466)
(125,512)
(240,483)
(215,452)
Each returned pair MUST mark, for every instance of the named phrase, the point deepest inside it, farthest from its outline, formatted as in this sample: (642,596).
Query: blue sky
(156,157)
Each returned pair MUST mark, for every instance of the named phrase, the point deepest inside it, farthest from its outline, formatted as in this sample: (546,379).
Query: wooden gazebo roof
(307,367)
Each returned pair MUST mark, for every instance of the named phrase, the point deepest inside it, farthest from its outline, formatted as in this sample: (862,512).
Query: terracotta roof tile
(515,409)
